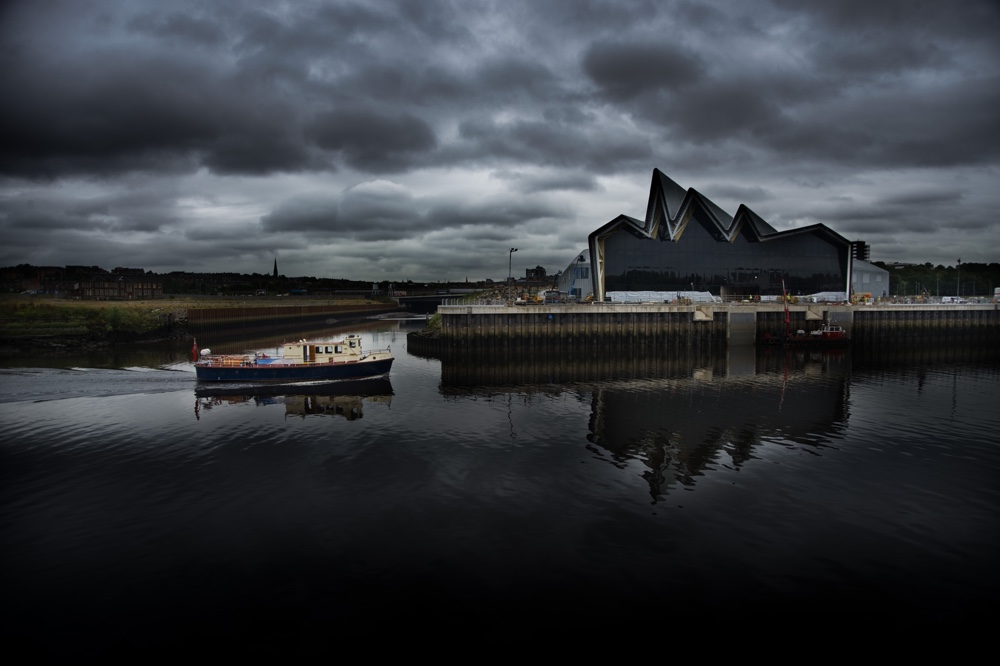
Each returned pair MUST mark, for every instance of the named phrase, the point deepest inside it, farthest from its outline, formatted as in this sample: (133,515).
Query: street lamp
(510,258)
(958,282)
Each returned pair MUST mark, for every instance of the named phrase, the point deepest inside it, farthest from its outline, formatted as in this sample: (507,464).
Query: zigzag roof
(670,207)
(668,212)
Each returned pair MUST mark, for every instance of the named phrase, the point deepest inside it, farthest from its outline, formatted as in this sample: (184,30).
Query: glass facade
(701,258)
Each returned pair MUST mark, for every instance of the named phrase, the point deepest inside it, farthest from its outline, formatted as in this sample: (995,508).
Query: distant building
(861,250)
(688,243)
(121,284)
(533,274)
(576,279)
(869,278)
(105,287)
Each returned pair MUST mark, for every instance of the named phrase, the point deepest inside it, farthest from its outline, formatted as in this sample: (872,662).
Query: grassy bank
(34,316)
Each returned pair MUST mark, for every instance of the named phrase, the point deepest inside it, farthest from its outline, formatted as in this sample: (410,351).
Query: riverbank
(36,324)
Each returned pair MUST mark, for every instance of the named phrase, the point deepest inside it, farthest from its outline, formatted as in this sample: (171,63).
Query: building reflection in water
(678,415)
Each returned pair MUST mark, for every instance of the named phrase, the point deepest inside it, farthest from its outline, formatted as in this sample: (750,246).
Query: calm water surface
(500,494)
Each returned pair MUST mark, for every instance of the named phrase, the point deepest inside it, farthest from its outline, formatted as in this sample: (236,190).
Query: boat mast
(788,318)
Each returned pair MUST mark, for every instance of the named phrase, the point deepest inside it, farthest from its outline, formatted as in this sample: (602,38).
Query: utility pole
(510,258)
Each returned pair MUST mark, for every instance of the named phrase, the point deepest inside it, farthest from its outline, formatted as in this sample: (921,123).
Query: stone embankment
(640,324)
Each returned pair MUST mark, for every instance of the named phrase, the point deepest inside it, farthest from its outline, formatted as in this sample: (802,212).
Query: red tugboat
(827,336)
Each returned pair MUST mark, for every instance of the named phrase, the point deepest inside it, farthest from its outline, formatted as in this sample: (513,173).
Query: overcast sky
(421,140)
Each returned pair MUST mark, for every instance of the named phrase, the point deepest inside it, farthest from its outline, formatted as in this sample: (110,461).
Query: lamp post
(510,258)
(958,281)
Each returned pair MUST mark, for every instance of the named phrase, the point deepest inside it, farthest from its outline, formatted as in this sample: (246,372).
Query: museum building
(687,243)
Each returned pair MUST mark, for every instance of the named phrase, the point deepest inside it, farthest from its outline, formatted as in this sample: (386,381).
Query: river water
(500,496)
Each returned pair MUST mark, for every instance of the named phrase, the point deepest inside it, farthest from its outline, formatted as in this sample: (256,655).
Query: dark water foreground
(576,502)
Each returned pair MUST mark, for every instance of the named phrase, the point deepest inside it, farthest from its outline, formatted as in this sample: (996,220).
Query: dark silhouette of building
(688,243)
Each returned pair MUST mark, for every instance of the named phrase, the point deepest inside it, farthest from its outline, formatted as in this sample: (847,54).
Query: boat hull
(294,372)
(365,387)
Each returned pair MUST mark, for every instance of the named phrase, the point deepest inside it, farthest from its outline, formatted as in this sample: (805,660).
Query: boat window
(351,343)
(319,350)
(329,349)
(338,349)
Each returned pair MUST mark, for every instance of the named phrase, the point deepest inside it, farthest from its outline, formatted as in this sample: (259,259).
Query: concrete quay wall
(707,324)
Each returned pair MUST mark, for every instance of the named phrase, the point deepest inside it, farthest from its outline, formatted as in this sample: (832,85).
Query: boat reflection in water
(343,398)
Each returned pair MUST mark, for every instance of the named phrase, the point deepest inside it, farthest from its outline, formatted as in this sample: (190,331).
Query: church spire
(275,267)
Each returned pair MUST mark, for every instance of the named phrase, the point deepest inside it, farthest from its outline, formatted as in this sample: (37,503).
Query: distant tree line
(966,280)
(64,279)
(261,284)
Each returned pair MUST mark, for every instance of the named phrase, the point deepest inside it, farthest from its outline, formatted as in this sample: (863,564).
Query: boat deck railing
(247,361)
(227,361)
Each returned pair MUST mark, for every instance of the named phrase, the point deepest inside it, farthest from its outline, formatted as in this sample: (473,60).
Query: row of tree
(965,280)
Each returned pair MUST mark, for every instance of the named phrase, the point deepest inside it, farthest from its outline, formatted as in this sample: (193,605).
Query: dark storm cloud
(384,212)
(131,211)
(374,142)
(543,143)
(627,70)
(142,114)
(346,133)
(307,214)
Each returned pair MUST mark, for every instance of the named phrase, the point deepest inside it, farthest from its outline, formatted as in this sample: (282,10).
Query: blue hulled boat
(299,361)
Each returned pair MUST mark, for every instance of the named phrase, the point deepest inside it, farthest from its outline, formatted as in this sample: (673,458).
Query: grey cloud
(922,198)
(564,146)
(552,181)
(133,211)
(306,214)
(626,70)
(517,76)
(180,27)
(890,16)
(362,214)
(500,213)
(372,141)
(742,194)
(160,116)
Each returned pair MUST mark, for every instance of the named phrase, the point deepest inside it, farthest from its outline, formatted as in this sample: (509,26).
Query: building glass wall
(698,260)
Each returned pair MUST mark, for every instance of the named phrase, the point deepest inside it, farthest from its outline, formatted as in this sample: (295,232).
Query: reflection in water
(885,356)
(677,415)
(467,368)
(680,428)
(491,499)
(343,398)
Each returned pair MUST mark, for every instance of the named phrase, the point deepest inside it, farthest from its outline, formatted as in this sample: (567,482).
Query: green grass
(22,316)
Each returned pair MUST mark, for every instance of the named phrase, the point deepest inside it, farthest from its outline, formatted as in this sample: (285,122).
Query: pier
(707,324)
